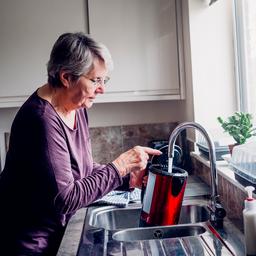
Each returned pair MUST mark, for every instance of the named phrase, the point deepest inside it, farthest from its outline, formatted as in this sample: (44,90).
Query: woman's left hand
(137,178)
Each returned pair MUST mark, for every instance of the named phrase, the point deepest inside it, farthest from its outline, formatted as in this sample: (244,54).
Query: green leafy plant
(239,126)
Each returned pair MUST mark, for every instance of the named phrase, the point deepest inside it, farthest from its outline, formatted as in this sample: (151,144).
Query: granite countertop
(70,243)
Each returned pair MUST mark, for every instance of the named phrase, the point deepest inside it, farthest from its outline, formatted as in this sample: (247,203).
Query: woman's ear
(64,78)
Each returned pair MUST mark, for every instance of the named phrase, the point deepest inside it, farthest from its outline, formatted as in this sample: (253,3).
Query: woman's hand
(135,159)
(137,178)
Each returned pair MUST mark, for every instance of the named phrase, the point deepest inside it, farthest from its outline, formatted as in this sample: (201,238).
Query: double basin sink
(110,230)
(126,222)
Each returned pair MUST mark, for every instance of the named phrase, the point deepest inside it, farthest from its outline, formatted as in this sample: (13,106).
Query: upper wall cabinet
(27,32)
(146,44)
(144,38)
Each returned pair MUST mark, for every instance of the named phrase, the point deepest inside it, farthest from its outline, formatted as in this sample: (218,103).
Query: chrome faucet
(217,211)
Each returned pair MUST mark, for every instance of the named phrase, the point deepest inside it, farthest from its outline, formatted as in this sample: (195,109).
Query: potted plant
(239,126)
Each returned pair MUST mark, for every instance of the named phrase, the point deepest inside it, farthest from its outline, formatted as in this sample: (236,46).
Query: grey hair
(74,53)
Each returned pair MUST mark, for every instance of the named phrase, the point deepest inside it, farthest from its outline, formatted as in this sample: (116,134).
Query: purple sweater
(49,174)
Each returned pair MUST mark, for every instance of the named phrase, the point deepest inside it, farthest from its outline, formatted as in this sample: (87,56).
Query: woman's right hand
(135,159)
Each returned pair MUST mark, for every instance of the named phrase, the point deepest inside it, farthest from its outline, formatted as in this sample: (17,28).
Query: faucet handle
(217,215)
(220,212)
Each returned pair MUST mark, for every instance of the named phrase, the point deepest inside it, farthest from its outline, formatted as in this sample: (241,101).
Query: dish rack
(243,163)
(220,143)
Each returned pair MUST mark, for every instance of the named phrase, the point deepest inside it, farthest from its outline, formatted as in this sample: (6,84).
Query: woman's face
(83,93)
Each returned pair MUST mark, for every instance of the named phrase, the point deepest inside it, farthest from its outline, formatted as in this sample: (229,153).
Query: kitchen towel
(120,198)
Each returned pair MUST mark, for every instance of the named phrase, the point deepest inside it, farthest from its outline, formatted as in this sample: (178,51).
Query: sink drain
(158,234)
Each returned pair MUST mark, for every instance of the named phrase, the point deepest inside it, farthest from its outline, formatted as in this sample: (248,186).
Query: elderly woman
(49,172)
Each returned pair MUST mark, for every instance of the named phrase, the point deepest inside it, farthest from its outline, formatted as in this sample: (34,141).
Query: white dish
(227,157)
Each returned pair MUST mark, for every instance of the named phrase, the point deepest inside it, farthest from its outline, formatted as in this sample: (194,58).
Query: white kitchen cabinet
(28,29)
(144,37)
(145,41)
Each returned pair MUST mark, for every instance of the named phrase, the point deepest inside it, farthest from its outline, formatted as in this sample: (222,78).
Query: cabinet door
(28,30)
(144,41)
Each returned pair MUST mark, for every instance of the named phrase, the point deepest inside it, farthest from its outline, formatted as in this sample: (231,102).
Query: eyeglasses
(99,81)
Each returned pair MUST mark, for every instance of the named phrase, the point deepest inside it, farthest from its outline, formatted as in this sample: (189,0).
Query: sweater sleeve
(57,169)
(125,185)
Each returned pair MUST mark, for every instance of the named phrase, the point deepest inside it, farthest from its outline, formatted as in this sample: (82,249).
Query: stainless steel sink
(109,230)
(151,233)
(111,218)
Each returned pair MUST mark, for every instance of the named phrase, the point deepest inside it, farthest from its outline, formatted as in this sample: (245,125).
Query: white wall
(109,114)
(212,61)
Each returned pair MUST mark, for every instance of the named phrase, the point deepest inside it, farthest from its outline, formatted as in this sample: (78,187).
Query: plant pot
(231,146)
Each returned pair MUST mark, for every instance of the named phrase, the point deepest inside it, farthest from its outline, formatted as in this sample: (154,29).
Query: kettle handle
(143,187)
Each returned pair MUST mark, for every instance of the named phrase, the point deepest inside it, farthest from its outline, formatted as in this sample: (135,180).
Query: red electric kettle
(163,196)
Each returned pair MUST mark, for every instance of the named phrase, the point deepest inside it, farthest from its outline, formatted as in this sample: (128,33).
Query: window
(245,39)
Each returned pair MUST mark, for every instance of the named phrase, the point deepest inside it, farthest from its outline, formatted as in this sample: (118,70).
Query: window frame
(243,70)
(240,57)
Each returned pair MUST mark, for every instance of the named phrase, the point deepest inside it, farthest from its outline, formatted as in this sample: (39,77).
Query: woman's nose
(100,89)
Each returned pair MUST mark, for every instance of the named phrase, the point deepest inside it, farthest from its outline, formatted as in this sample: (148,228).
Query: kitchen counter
(79,225)
(70,242)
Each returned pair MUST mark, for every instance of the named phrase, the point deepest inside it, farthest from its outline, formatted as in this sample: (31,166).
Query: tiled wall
(109,142)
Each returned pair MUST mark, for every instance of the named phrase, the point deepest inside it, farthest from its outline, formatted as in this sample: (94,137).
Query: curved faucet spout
(212,155)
